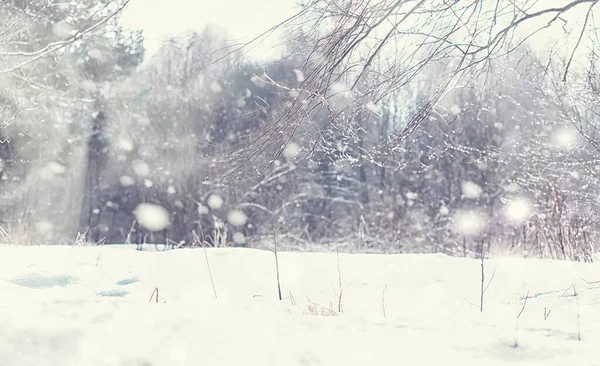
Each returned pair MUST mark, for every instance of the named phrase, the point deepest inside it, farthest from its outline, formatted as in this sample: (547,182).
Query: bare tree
(393,41)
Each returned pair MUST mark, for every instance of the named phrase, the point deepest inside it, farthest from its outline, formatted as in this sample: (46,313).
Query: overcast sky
(243,19)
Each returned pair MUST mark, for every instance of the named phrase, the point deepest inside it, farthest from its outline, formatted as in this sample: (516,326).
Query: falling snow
(517,210)
(469,223)
(44,227)
(152,217)
(237,218)
(455,109)
(140,168)
(203,210)
(471,190)
(239,238)
(291,150)
(444,210)
(215,202)
(126,181)
(126,145)
(299,75)
(63,30)
(565,138)
(373,108)
(216,87)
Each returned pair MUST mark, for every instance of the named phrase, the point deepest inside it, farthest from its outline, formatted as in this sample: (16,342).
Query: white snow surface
(90,306)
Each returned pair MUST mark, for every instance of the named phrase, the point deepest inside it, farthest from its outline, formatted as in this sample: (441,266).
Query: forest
(382,127)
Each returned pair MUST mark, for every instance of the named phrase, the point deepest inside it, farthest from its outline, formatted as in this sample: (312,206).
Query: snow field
(93,306)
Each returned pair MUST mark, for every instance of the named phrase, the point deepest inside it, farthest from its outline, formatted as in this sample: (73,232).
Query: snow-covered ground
(91,306)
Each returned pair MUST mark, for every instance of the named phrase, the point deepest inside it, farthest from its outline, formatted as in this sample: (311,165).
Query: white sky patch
(215,201)
(243,20)
(517,210)
(237,218)
(468,223)
(152,217)
(291,150)
(126,181)
(565,138)
(148,183)
(471,190)
(171,190)
(140,168)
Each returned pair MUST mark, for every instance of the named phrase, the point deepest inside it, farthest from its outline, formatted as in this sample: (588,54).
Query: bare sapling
(101,244)
(524,304)
(277,265)
(6,236)
(131,231)
(383,299)
(482,277)
(576,295)
(154,295)
(203,243)
(340,309)
(516,344)
(546,315)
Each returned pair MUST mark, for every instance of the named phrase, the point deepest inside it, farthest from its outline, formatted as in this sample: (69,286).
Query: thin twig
(383,299)
(524,303)
(578,313)
(277,266)
(152,295)
(546,313)
(6,237)
(589,282)
(340,310)
(202,242)
(128,238)
(491,278)
(587,17)
(567,290)
(101,243)
(55,46)
(482,278)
